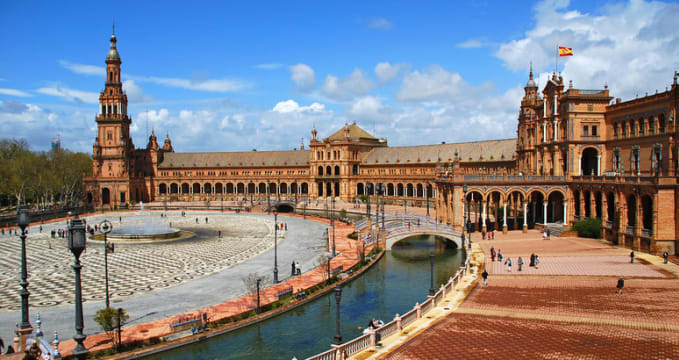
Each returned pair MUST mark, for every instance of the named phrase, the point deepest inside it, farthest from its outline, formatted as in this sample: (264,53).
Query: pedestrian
(499,255)
(508,262)
(665,256)
(292,268)
(196,220)
(631,257)
(286,226)
(544,235)
(206,219)
(493,235)
(532,260)
(219,233)
(484,275)
(492,253)
(548,233)
(621,284)
(40,228)
(537,261)
(520,262)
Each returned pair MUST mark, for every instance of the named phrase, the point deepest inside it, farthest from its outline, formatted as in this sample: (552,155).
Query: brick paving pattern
(567,308)
(133,268)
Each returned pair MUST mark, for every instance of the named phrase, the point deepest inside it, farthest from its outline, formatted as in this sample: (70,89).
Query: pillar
(544,211)
(565,212)
(556,130)
(504,218)
(598,165)
(483,220)
(525,217)
(544,132)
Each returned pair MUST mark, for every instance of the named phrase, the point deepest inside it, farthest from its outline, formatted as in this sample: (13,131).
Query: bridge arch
(448,235)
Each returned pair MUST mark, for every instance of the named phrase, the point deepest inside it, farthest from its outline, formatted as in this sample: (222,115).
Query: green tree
(108,320)
(589,228)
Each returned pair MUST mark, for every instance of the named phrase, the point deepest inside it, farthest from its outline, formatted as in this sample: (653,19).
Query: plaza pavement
(567,308)
(151,281)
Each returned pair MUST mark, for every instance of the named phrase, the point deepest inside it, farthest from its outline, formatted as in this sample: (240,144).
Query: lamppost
(329,259)
(77,243)
(105,227)
(464,213)
(268,200)
(23,221)
(258,281)
(431,274)
(275,246)
(338,297)
(332,223)
(427,190)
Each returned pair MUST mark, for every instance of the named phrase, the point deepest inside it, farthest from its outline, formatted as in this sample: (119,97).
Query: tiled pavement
(565,309)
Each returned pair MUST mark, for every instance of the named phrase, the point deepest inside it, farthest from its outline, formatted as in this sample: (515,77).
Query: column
(565,212)
(544,211)
(598,165)
(504,218)
(544,132)
(556,130)
(483,219)
(579,165)
(525,217)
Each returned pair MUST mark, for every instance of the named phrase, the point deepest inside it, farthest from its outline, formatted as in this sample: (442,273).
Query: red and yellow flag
(565,51)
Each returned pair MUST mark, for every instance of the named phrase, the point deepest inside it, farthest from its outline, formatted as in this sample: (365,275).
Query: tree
(108,320)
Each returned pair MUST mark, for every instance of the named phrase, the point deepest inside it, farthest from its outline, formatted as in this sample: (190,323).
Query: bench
(185,324)
(285,292)
(300,295)
(337,270)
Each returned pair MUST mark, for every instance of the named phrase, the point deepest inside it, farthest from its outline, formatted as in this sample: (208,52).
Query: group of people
(534,261)
(282,226)
(296,270)
(545,234)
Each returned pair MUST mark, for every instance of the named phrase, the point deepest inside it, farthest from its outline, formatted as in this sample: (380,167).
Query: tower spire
(530,76)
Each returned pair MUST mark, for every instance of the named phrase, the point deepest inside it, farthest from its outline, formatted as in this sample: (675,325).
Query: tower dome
(113,52)
(531,83)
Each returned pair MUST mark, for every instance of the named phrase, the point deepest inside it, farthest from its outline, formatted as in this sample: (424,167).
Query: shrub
(353,236)
(108,320)
(589,228)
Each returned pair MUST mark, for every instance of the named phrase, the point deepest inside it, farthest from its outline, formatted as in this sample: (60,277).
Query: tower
(527,127)
(113,148)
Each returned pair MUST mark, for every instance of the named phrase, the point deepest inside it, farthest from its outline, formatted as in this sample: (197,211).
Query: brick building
(577,154)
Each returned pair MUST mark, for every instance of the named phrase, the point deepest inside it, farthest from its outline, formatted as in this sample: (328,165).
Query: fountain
(145,229)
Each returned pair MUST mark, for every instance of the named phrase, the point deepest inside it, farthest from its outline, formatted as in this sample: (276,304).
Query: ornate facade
(576,155)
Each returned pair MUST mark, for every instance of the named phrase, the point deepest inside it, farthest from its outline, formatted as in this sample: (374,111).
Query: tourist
(298,270)
(499,255)
(665,256)
(292,267)
(120,219)
(508,262)
(520,262)
(206,219)
(532,260)
(286,226)
(196,220)
(621,284)
(544,235)
(537,261)
(492,253)
(548,233)
(484,275)
(631,257)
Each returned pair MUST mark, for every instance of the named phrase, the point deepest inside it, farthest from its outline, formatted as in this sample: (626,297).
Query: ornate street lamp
(275,246)
(23,221)
(338,297)
(332,223)
(77,244)
(432,291)
(105,227)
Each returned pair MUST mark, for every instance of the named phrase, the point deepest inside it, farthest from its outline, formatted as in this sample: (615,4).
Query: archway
(647,213)
(240,188)
(631,211)
(588,204)
(320,171)
(360,190)
(390,189)
(89,198)
(420,190)
(207,188)
(262,188)
(409,190)
(105,196)
(174,189)
(400,189)
(251,188)
(305,188)
(284,208)
(219,188)
(555,208)
(185,188)
(229,188)
(196,188)
(284,188)
(162,189)
(588,162)
(337,189)
(610,206)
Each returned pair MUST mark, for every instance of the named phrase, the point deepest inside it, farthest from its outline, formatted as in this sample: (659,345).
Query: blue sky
(230,76)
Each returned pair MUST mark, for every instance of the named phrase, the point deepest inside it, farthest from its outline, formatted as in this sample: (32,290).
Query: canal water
(393,285)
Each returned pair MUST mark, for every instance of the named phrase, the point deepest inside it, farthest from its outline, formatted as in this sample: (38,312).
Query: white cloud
(635,38)
(290,106)
(470,44)
(366,107)
(83,68)
(380,23)
(355,84)
(386,72)
(212,85)
(432,83)
(273,66)
(14,92)
(135,94)
(303,75)
(71,94)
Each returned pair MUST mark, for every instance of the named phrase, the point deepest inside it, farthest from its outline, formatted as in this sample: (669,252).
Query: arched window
(651,125)
(642,129)
(320,171)
(354,169)
(661,123)
(337,170)
(328,169)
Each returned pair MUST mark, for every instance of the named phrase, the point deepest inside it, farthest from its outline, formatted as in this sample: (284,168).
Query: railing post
(443,291)
(419,310)
(433,300)
(399,325)
(372,333)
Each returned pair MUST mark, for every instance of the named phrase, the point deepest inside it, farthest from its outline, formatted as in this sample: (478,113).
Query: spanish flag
(565,51)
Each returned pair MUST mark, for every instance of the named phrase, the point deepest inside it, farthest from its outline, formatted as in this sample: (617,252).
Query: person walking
(484,275)
(499,255)
(665,256)
(548,233)
(520,262)
(508,262)
(492,253)
(532,260)
(631,257)
(537,261)
(621,284)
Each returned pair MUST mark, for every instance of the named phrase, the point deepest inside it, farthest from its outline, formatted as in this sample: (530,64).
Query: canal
(394,285)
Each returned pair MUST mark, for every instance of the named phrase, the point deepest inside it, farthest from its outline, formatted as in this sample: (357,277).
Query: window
(624,129)
(632,128)
(615,131)
(109,136)
(585,131)
(590,107)
(641,126)
(661,123)
(651,125)
(594,131)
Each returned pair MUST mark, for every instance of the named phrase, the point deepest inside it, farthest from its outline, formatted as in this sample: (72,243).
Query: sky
(237,76)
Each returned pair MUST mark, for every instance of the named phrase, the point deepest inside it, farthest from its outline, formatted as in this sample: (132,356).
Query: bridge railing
(364,342)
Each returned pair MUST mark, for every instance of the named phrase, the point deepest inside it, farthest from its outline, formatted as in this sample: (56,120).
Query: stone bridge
(394,235)
(282,205)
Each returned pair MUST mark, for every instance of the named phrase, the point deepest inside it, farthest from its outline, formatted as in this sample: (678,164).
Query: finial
(114,27)
(530,76)
(56,345)
(570,84)
(606,85)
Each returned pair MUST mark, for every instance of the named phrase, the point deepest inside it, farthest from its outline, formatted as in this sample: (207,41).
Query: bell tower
(113,149)
(527,127)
